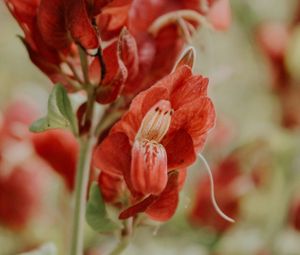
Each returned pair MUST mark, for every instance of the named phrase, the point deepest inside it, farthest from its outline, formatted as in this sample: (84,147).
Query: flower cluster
(124,53)
(130,44)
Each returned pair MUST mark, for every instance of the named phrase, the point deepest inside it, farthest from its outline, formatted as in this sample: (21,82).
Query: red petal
(102,5)
(25,13)
(149,173)
(113,155)
(129,53)
(51,22)
(110,186)
(197,118)
(47,66)
(60,150)
(116,72)
(112,19)
(160,208)
(21,194)
(165,206)
(180,150)
(80,25)
(137,208)
(169,45)
(193,87)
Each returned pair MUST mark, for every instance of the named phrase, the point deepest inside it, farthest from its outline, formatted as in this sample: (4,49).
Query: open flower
(161,132)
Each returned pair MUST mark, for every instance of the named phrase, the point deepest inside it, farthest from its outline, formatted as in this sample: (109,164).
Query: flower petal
(180,150)
(161,207)
(113,18)
(25,13)
(165,206)
(193,87)
(51,22)
(129,53)
(137,208)
(80,25)
(60,149)
(116,71)
(197,118)
(113,155)
(110,186)
(149,173)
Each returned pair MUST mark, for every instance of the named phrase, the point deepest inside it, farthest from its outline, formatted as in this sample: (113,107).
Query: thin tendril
(212,191)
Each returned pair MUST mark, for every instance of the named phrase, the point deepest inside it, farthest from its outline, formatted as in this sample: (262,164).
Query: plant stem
(82,178)
(125,237)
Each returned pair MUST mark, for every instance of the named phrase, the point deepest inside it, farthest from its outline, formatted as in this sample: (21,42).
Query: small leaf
(96,215)
(46,249)
(60,113)
(39,125)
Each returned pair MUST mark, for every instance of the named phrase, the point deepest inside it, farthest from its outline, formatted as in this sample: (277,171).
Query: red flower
(203,212)
(48,25)
(52,28)
(163,129)
(20,195)
(60,149)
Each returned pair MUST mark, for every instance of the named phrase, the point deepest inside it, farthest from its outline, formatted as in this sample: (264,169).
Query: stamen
(212,191)
(156,122)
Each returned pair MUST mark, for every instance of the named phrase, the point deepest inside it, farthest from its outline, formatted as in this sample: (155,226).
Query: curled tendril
(212,191)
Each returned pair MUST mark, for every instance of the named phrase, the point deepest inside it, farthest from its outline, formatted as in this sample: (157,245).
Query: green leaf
(60,113)
(46,249)
(96,214)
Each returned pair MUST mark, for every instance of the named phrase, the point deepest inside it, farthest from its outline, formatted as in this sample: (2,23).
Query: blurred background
(254,150)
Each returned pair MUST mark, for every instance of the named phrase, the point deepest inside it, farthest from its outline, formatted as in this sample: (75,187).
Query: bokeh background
(255,158)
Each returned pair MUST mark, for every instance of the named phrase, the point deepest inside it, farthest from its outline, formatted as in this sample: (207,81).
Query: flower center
(149,166)
(156,122)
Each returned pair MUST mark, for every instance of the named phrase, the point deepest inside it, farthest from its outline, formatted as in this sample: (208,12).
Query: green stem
(82,178)
(125,237)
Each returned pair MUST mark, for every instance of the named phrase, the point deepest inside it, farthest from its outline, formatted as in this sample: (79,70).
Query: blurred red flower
(59,148)
(273,39)
(20,195)
(203,213)
(162,131)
